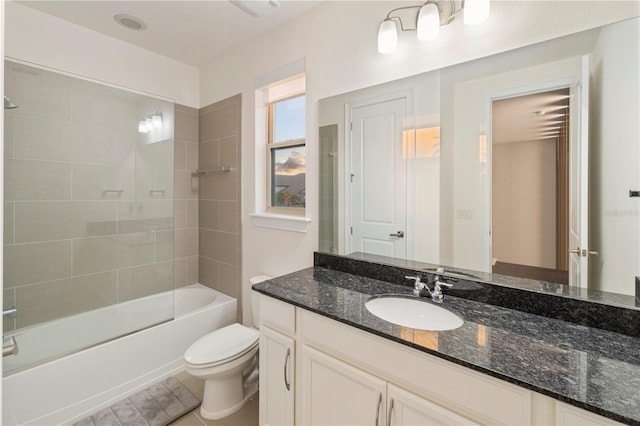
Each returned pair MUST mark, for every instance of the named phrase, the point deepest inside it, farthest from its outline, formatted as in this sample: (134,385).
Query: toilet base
(213,411)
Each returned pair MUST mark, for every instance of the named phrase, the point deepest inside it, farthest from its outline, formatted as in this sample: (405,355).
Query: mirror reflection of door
(530,186)
(377,180)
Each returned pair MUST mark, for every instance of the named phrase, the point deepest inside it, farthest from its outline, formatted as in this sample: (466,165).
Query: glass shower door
(88,232)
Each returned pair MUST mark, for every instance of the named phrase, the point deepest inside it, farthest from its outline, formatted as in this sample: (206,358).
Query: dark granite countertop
(590,368)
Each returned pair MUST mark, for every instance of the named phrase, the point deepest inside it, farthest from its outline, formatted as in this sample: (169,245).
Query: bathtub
(70,387)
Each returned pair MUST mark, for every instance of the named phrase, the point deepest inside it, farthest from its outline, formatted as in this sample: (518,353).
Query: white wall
(614,220)
(338,40)
(524,203)
(42,39)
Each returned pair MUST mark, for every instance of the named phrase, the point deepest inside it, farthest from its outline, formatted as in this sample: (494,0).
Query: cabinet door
(568,415)
(276,378)
(336,393)
(405,408)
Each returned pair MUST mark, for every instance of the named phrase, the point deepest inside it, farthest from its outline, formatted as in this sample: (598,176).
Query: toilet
(227,359)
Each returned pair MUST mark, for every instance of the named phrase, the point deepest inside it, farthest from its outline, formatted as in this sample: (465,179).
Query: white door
(405,408)
(337,394)
(276,378)
(378,179)
(579,179)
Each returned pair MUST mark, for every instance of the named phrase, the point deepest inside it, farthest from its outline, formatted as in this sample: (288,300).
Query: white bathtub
(71,387)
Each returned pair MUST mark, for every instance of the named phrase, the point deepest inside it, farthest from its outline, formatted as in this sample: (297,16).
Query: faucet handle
(438,284)
(416,278)
(418,285)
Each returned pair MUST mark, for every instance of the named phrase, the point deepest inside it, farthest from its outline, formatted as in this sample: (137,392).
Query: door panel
(378,178)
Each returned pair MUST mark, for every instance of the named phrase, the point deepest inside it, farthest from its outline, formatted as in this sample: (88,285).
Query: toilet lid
(225,343)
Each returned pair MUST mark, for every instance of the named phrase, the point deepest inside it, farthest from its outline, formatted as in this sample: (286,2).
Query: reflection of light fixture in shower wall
(149,123)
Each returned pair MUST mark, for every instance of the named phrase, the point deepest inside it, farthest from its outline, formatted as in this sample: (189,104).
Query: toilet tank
(255,298)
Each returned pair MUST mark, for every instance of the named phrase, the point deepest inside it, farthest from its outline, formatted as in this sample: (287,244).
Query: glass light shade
(142,127)
(428,22)
(157,120)
(149,123)
(476,11)
(387,37)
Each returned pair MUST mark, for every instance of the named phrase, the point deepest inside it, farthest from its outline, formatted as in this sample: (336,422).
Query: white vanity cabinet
(339,375)
(336,393)
(277,362)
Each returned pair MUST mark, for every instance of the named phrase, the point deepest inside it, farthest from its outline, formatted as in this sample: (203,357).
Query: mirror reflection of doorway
(530,186)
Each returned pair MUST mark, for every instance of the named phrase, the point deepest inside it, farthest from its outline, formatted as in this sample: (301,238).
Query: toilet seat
(222,346)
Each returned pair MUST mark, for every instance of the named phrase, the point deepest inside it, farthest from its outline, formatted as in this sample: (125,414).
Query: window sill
(281,221)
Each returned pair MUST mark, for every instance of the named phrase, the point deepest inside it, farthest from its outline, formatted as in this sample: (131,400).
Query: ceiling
(529,118)
(191,32)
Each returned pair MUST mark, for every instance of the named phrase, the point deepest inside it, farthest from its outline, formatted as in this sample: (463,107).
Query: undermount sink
(414,313)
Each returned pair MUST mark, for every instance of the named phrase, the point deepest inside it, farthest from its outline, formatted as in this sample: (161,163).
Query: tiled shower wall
(185,265)
(88,200)
(219,200)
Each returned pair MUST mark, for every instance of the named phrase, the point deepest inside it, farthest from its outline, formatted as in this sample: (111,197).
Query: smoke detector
(256,8)
(130,21)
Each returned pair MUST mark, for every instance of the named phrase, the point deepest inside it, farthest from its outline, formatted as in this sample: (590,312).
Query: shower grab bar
(9,346)
(161,191)
(9,312)
(119,191)
(221,169)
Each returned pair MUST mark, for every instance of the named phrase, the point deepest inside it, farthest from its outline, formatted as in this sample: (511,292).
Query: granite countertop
(587,367)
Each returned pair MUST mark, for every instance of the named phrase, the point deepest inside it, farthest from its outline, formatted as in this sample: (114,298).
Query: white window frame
(274,145)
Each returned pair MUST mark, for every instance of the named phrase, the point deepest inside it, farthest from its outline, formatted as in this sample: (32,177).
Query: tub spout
(9,346)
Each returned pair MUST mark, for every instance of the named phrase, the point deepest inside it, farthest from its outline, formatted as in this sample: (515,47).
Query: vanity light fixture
(150,122)
(431,16)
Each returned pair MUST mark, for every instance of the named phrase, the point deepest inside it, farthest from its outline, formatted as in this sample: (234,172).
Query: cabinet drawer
(278,315)
(474,395)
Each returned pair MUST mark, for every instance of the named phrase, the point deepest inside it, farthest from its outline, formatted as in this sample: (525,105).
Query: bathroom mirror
(478,166)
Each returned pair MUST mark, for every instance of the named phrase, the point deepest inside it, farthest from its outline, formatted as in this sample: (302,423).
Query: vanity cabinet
(338,374)
(277,363)
(336,393)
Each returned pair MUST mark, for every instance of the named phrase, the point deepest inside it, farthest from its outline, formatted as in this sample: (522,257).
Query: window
(286,156)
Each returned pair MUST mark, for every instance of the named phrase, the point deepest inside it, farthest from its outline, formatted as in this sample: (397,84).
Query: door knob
(399,234)
(575,251)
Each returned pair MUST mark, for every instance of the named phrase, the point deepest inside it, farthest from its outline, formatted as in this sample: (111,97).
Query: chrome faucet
(421,289)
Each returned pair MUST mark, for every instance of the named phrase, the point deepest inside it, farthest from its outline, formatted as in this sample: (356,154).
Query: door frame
(569,82)
(409,125)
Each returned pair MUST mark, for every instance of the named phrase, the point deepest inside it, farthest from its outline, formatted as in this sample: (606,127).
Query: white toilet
(227,359)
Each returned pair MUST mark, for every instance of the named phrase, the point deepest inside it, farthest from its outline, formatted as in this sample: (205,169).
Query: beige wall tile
(103,107)
(8,134)
(48,140)
(192,156)
(56,299)
(220,186)
(27,180)
(8,223)
(192,213)
(44,221)
(105,253)
(179,272)
(126,148)
(165,245)
(208,272)
(208,214)
(186,242)
(36,262)
(228,217)
(91,182)
(228,152)
(36,95)
(180,156)
(180,214)
(8,301)
(186,123)
(193,272)
(208,155)
(220,246)
(186,185)
(219,123)
(144,280)
(228,282)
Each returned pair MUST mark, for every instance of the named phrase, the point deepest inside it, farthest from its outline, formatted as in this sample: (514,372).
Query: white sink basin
(414,313)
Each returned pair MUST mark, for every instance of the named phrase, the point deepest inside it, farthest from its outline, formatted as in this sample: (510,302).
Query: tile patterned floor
(247,416)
